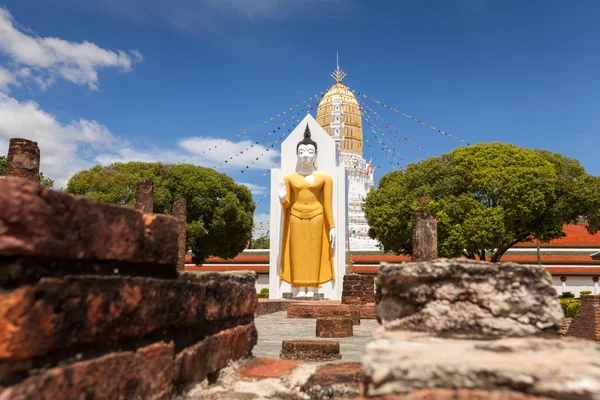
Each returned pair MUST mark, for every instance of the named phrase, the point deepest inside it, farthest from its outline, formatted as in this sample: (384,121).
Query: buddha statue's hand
(332,237)
(282,191)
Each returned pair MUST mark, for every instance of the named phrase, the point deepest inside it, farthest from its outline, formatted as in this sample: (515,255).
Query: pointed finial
(338,74)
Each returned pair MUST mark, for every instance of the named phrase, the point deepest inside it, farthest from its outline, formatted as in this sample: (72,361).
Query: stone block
(144,374)
(296,310)
(23,159)
(331,327)
(144,196)
(194,363)
(334,381)
(470,299)
(47,224)
(585,325)
(310,350)
(397,362)
(59,313)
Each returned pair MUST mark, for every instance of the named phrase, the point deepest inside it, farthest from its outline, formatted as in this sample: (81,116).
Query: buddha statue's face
(306,154)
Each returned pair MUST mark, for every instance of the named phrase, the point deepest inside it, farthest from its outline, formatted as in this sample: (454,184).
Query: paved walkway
(276,327)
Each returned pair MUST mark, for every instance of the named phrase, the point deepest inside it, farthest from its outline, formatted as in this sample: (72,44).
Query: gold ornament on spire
(338,74)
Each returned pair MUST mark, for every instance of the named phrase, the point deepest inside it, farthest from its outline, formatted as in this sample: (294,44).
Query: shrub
(264,294)
(571,307)
(567,295)
(585,292)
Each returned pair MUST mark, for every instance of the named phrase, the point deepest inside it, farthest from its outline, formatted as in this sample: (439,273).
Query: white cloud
(215,152)
(254,188)
(61,146)
(6,78)
(43,60)
(66,149)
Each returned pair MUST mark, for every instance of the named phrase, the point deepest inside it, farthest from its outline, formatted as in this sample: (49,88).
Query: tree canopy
(219,211)
(44,180)
(487,198)
(262,242)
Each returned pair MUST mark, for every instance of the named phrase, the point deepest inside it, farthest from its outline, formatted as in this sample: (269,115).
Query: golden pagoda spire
(338,74)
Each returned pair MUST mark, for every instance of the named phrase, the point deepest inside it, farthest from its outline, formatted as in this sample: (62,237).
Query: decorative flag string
(393,131)
(422,123)
(391,147)
(385,150)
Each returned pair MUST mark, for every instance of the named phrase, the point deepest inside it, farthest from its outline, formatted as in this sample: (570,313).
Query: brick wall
(586,324)
(91,304)
(358,289)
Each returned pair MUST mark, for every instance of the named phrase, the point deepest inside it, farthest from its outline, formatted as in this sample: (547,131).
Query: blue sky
(150,79)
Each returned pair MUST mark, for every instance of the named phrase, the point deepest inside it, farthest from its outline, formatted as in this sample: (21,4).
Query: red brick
(332,327)
(59,313)
(260,368)
(40,222)
(299,310)
(310,350)
(145,374)
(193,363)
(586,324)
(269,306)
(367,311)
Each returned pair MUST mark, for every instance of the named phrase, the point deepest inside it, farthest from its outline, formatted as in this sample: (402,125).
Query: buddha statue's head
(306,151)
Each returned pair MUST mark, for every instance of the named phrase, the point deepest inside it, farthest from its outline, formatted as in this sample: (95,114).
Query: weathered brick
(299,310)
(193,363)
(36,221)
(367,311)
(269,306)
(59,313)
(310,350)
(331,327)
(23,160)
(334,381)
(145,374)
(267,368)
(586,324)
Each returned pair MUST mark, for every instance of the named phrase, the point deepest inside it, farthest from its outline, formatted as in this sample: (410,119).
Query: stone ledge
(296,310)
(399,362)
(459,394)
(334,381)
(469,299)
(36,221)
(59,313)
(310,350)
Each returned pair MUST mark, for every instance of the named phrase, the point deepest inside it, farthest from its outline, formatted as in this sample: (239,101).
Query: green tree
(219,211)
(262,242)
(487,198)
(44,180)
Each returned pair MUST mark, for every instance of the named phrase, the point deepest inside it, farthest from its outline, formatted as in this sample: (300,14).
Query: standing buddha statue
(308,228)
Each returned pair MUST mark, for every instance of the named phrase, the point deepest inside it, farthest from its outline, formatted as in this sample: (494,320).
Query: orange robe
(307,257)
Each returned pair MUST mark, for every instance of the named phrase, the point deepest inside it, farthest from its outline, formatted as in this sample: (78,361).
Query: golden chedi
(352,130)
